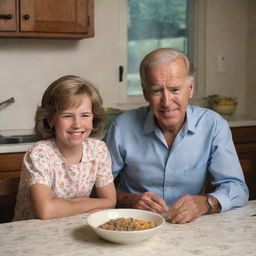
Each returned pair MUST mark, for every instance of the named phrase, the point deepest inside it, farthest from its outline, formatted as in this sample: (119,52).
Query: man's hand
(146,201)
(151,202)
(187,209)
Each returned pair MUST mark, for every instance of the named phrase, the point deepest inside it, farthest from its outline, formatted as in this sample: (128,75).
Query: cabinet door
(244,134)
(8,15)
(10,165)
(57,16)
(249,168)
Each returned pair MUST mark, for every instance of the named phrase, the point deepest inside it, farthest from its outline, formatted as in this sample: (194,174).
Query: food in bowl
(127,224)
(222,104)
(125,237)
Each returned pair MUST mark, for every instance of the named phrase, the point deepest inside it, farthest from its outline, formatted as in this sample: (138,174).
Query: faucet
(7,102)
(3,104)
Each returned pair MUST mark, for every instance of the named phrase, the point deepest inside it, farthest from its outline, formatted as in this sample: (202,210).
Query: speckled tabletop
(229,233)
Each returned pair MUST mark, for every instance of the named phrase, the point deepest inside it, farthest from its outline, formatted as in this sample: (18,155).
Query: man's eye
(156,90)
(175,90)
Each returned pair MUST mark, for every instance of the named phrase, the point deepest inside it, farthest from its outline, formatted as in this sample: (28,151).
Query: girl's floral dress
(44,164)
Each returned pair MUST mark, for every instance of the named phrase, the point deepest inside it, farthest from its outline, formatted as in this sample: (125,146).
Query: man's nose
(166,97)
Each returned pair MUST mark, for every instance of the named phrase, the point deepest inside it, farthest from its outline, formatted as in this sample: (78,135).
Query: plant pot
(223,109)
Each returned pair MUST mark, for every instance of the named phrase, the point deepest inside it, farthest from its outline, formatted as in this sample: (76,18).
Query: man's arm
(231,190)
(228,178)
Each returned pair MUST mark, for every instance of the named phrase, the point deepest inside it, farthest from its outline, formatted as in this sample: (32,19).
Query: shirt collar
(87,154)
(190,123)
(150,123)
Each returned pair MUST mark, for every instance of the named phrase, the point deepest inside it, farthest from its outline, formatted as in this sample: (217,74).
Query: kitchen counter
(241,120)
(13,148)
(19,147)
(228,233)
(233,120)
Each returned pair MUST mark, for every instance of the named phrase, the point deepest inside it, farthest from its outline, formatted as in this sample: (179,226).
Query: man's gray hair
(163,56)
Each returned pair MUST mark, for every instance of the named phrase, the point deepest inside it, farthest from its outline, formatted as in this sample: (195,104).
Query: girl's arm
(47,207)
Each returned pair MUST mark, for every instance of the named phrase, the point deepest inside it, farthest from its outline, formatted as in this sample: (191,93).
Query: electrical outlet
(222,63)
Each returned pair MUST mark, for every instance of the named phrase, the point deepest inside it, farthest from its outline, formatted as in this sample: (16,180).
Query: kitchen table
(228,233)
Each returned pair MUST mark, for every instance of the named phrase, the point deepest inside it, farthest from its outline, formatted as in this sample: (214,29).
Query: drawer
(246,150)
(11,161)
(244,134)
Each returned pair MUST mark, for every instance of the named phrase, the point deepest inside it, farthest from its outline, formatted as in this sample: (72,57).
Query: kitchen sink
(18,139)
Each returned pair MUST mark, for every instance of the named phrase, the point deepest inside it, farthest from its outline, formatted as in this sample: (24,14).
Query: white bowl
(125,237)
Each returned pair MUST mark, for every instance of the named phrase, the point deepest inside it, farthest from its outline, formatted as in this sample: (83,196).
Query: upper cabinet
(46,18)
(8,20)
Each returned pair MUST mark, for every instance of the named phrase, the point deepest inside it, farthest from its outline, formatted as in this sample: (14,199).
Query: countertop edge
(15,148)
(234,121)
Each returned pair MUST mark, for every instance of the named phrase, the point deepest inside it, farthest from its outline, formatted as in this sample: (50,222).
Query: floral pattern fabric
(44,164)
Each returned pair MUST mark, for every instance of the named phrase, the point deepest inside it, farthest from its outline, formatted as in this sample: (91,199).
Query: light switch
(222,63)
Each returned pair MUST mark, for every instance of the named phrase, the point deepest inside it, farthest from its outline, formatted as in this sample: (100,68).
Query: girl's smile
(73,125)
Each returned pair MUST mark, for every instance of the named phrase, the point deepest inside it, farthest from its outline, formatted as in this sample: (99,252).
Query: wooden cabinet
(47,18)
(10,165)
(8,20)
(245,143)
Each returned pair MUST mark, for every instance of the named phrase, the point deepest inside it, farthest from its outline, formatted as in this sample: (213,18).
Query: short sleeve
(104,172)
(36,167)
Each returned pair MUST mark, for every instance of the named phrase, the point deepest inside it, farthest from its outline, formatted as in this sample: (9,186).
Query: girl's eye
(66,116)
(86,115)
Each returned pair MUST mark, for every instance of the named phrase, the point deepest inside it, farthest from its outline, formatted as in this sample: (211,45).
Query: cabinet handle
(121,71)
(26,17)
(5,16)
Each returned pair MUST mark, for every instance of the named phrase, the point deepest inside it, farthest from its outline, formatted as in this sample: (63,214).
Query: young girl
(59,172)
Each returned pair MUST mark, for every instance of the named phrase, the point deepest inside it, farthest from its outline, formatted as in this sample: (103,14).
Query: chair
(8,193)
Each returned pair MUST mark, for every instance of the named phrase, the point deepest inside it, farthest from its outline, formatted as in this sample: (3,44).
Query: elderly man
(164,152)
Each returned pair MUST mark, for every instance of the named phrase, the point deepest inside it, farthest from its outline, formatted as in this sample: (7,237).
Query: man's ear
(145,93)
(191,89)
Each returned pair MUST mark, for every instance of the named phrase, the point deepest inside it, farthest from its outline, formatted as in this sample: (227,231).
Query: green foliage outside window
(153,24)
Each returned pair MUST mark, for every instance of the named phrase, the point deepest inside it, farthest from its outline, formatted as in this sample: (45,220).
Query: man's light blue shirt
(141,155)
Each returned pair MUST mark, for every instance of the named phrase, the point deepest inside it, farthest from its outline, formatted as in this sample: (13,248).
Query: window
(149,24)
(153,24)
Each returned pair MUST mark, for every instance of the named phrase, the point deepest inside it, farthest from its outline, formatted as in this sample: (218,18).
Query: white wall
(251,56)
(226,33)
(28,66)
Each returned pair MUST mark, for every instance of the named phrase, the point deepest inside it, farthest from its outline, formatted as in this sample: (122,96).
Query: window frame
(196,49)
